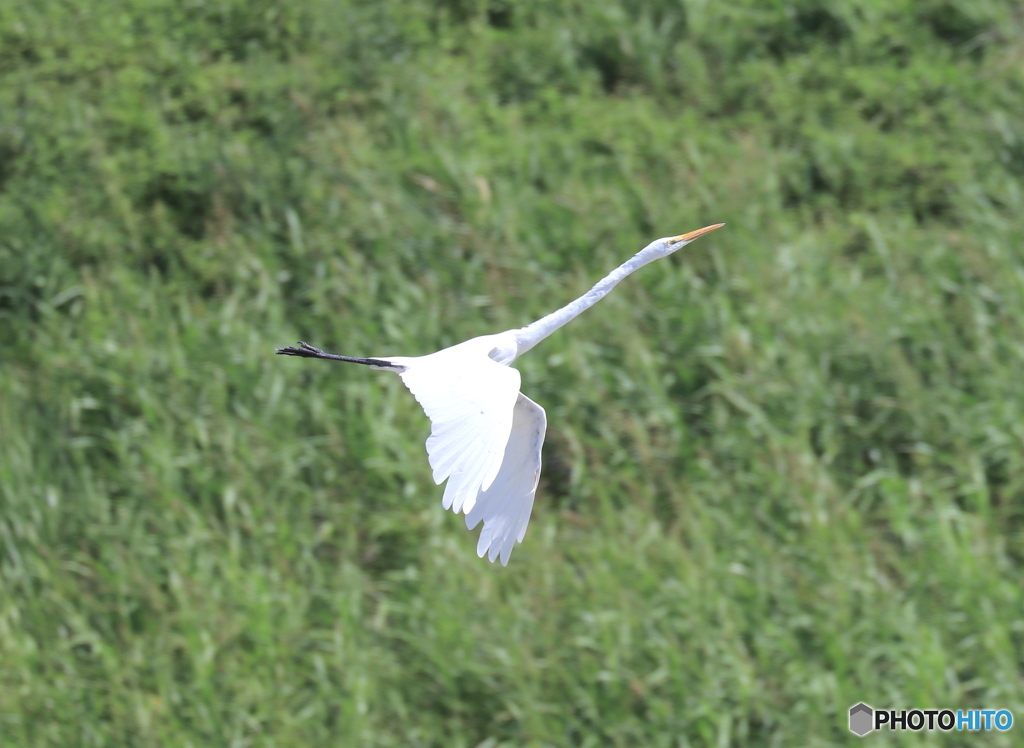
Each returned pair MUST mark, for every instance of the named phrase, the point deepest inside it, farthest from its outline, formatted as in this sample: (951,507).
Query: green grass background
(784,469)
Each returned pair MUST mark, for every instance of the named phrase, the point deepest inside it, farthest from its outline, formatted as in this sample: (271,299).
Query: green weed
(784,470)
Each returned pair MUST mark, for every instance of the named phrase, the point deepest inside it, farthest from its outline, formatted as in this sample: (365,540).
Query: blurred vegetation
(784,470)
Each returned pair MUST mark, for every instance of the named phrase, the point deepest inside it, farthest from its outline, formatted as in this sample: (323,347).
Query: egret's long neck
(527,337)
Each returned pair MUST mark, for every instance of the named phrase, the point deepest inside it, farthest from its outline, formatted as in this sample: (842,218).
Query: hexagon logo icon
(861,719)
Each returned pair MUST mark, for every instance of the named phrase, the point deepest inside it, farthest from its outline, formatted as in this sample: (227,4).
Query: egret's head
(677,242)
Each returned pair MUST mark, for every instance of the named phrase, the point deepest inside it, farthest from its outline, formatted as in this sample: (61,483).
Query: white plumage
(506,505)
(485,435)
(468,399)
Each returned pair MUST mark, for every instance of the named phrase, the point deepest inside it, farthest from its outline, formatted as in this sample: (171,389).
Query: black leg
(305,350)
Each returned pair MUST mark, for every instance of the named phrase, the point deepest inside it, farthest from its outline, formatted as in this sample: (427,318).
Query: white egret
(485,435)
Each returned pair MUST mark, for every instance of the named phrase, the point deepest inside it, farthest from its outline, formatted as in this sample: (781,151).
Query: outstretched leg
(305,350)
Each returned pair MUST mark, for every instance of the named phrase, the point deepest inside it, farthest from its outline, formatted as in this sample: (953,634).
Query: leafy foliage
(784,470)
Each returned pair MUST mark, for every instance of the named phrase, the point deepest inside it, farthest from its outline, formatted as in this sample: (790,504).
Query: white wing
(505,507)
(469,400)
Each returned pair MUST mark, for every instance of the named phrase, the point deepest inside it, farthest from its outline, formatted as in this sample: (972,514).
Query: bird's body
(486,436)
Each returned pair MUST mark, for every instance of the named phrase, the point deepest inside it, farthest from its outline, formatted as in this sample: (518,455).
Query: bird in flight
(486,435)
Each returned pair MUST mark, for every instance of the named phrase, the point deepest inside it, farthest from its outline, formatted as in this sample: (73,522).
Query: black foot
(305,350)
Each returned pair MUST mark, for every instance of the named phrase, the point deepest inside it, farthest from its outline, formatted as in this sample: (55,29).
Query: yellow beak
(696,234)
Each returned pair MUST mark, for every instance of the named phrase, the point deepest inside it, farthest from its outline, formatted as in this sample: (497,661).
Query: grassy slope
(784,470)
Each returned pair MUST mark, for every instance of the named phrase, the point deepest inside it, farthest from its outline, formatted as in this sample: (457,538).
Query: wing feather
(469,400)
(505,507)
